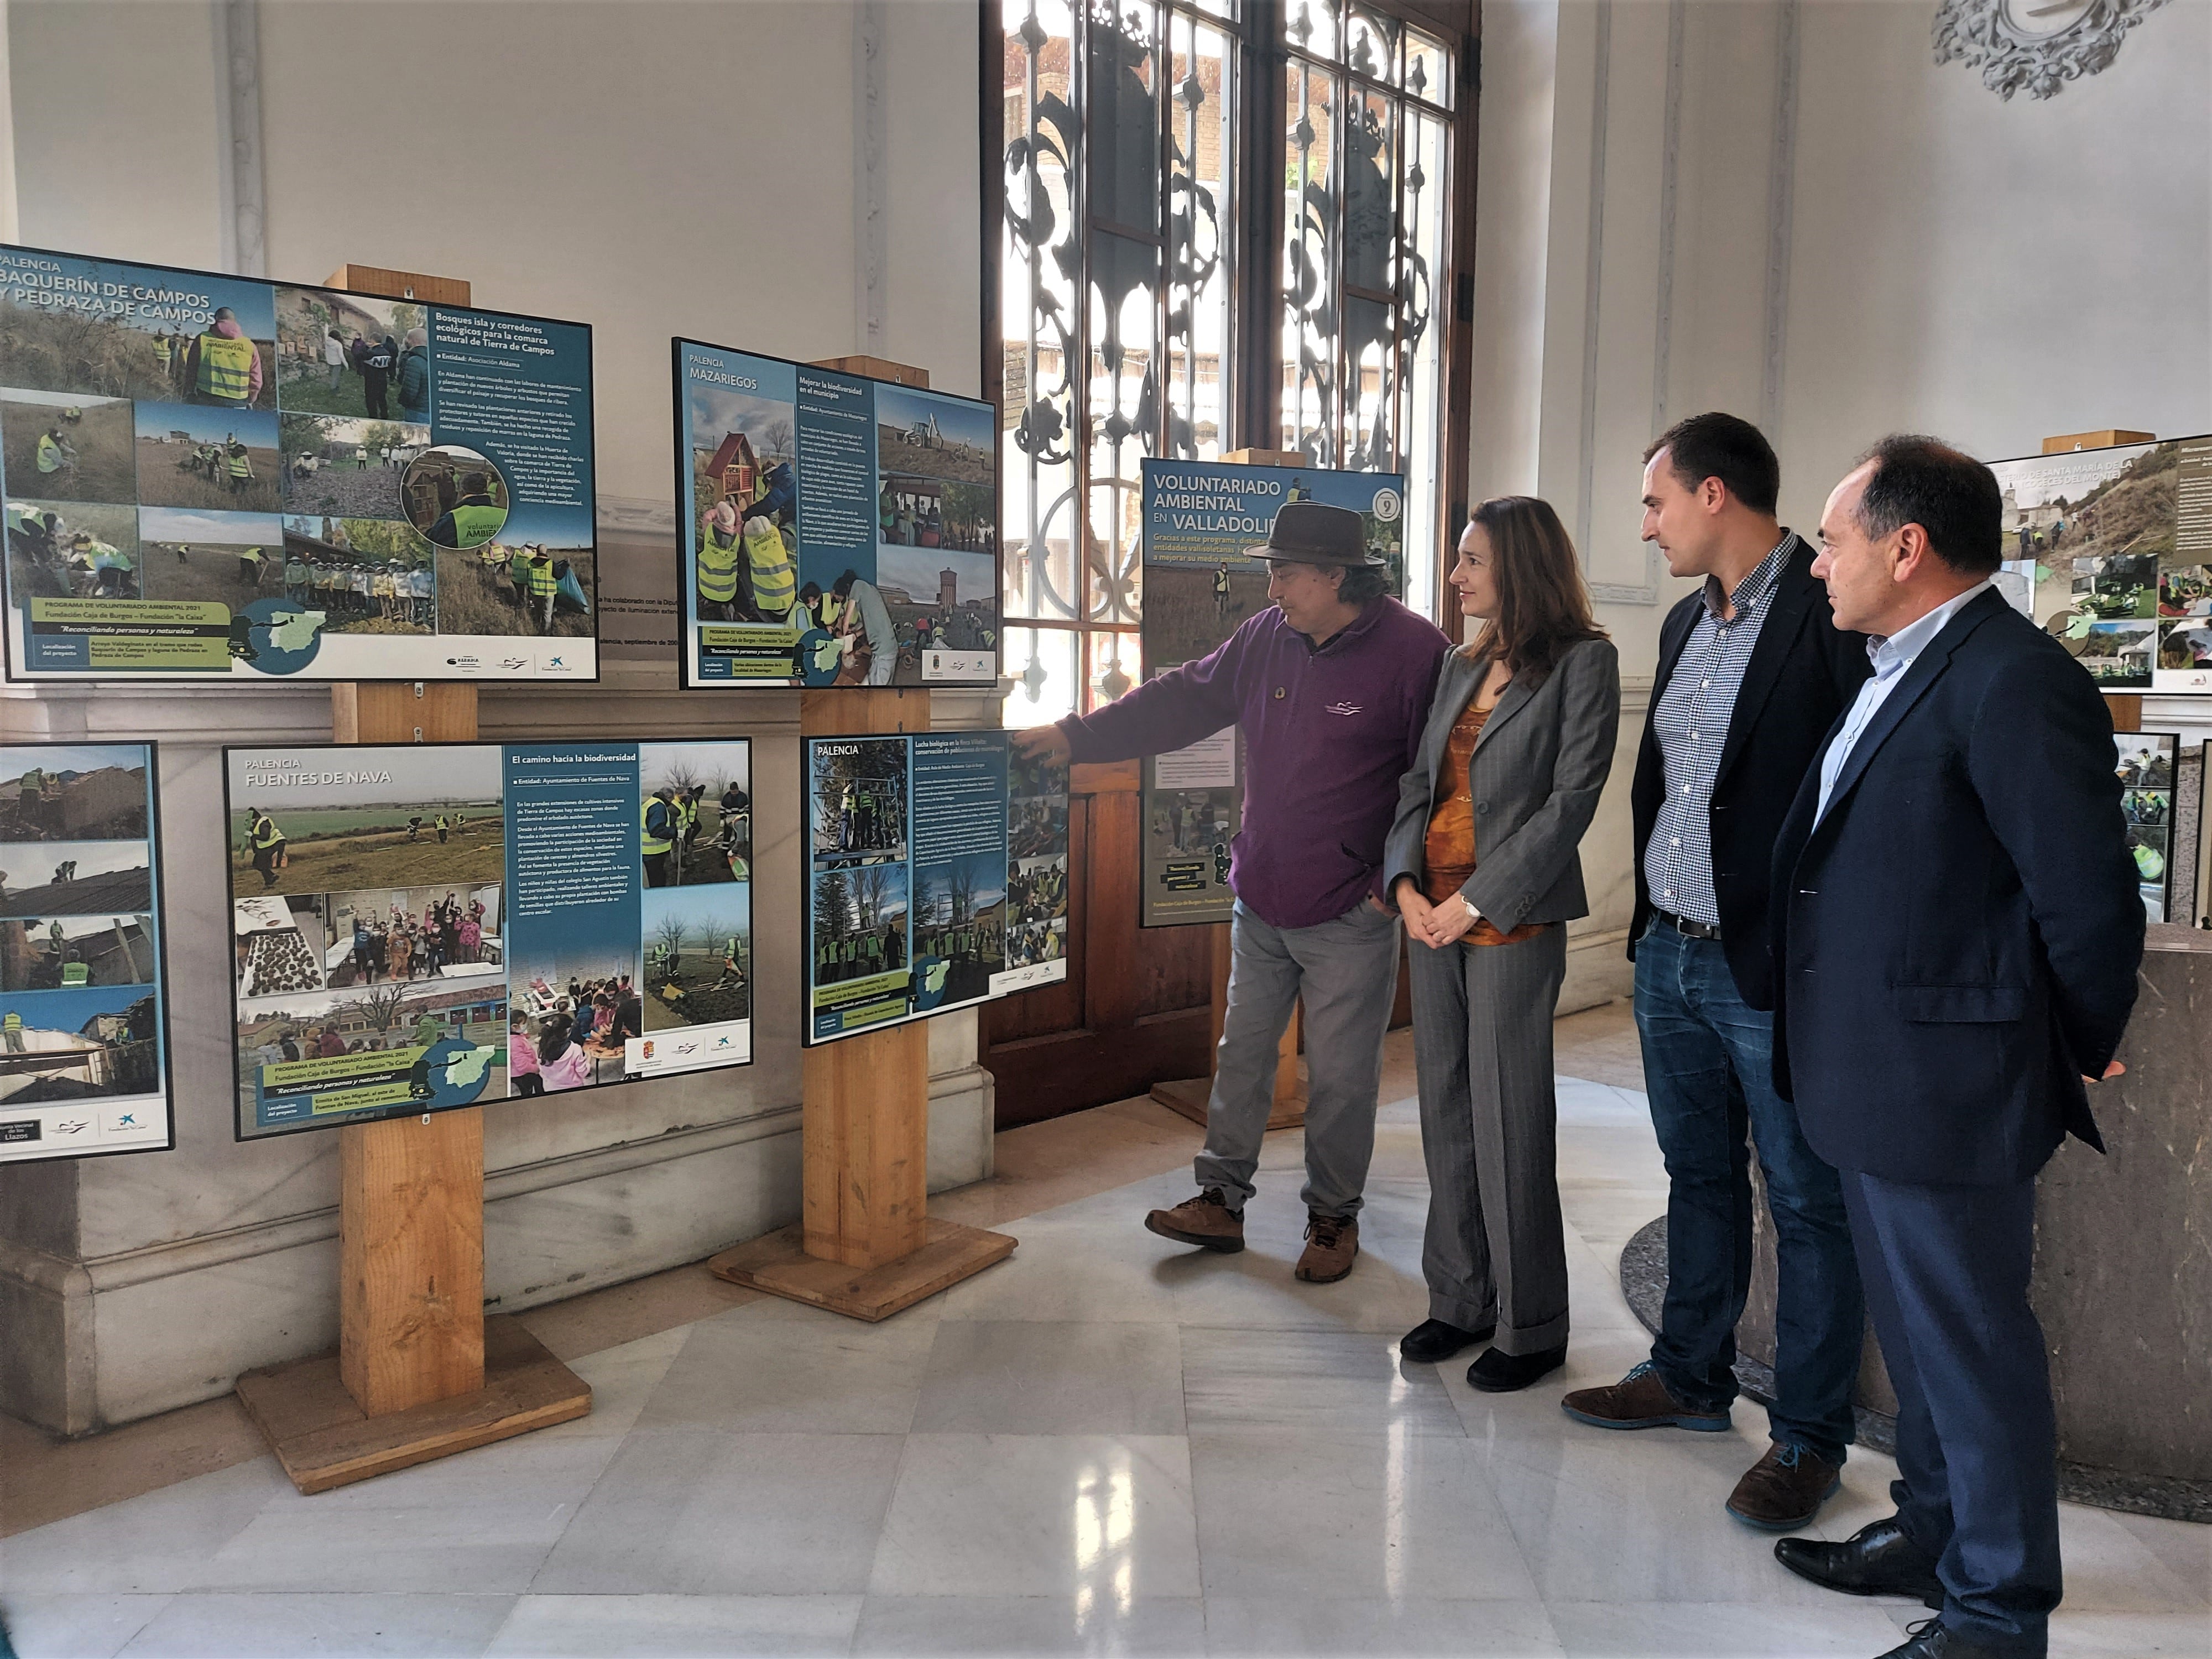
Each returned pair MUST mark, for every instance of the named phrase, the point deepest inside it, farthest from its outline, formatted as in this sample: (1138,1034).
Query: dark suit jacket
(1959,935)
(1536,774)
(1803,672)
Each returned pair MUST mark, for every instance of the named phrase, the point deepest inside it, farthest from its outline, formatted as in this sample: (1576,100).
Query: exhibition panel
(838,531)
(1201,584)
(419,926)
(2116,545)
(936,876)
(213,478)
(84,1037)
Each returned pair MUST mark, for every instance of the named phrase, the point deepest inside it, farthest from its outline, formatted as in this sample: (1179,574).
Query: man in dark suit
(1956,949)
(1751,674)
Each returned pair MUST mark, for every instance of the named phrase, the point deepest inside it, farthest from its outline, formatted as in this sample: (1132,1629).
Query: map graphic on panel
(212,478)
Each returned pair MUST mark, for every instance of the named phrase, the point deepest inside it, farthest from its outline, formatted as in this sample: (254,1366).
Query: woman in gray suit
(1481,863)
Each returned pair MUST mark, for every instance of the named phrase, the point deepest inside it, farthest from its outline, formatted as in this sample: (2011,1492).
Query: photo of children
(352,354)
(74,878)
(217,558)
(73,550)
(569,1021)
(206,339)
(62,448)
(343,468)
(412,932)
(2146,763)
(2185,591)
(214,458)
(363,575)
(454,496)
(698,957)
(302,822)
(859,799)
(62,952)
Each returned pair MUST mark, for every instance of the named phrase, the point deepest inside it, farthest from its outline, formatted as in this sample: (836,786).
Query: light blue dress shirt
(1891,657)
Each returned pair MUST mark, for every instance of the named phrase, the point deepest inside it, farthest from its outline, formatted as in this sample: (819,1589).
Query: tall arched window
(1159,293)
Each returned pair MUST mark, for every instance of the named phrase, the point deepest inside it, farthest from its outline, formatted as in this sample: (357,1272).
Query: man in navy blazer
(1956,933)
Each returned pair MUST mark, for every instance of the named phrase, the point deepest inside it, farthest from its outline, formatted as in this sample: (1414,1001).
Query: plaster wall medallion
(2035,46)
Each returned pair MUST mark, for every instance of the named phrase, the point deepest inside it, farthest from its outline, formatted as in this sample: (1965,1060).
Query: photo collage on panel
(2146,762)
(83,1066)
(210,477)
(2111,550)
(841,531)
(428,926)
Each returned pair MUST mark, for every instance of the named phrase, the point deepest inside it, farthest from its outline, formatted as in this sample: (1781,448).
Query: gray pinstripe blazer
(1538,769)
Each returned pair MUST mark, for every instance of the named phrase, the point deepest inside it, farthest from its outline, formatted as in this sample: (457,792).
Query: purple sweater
(1328,733)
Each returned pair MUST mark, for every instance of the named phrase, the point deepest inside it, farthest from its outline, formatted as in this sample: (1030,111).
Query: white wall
(795,178)
(1787,210)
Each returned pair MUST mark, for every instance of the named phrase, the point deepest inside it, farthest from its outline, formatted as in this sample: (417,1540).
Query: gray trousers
(1346,970)
(1495,1251)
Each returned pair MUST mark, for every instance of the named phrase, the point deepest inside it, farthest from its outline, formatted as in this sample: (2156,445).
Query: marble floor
(1105,1445)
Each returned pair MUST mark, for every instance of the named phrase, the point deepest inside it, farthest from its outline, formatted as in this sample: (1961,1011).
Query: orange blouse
(1447,854)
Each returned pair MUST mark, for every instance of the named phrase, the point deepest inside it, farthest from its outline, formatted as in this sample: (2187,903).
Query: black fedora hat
(1314,532)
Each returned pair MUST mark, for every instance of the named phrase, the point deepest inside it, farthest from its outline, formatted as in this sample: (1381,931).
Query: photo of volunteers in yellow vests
(455,497)
(363,575)
(217,458)
(74,550)
(64,447)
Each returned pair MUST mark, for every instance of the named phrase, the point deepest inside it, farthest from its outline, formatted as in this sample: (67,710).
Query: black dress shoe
(1878,1559)
(1502,1373)
(1432,1339)
(1929,1640)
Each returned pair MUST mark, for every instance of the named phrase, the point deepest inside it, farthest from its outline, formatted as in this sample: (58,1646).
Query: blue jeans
(1708,1069)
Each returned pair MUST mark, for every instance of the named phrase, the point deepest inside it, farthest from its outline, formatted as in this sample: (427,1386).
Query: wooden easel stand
(865,1245)
(420,1372)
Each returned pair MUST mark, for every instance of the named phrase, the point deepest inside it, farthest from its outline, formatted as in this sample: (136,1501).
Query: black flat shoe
(1432,1339)
(1502,1373)
(1930,1640)
(1878,1559)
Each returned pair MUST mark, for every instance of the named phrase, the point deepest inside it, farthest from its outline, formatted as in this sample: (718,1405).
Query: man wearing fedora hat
(1330,688)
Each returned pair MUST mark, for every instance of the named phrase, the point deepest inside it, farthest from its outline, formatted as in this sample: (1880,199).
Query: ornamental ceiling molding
(2022,44)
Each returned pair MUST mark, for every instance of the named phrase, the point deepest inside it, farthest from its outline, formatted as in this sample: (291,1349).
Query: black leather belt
(1688,928)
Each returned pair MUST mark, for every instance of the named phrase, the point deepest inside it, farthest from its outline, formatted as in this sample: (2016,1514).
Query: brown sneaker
(1331,1242)
(1638,1401)
(1206,1221)
(1785,1489)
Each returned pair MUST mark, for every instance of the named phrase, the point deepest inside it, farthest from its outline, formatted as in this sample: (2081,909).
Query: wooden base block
(1188,1096)
(324,1439)
(779,1264)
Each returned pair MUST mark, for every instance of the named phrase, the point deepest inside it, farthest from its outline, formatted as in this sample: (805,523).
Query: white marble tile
(774,1367)
(1282,1625)
(1027,1376)
(700,1511)
(676,1626)
(1310,1379)
(622,1379)
(1029,1626)
(2185,1549)
(161,1541)
(1719,1629)
(2130,1636)
(1038,1515)
(2109,1570)
(1319,1513)
(1255,1290)
(1079,1268)
(72,1627)
(267,1626)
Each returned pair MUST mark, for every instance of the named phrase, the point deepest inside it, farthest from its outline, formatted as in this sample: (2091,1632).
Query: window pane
(1310,26)
(1422,335)
(1371,43)
(1124,392)
(1428,68)
(1310,300)
(1198,253)
(1114,666)
(1041,661)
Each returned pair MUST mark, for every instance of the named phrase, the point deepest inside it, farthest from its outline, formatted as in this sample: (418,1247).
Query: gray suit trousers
(1495,1250)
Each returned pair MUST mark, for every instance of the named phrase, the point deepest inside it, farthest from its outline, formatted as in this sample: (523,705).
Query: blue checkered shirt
(1691,725)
